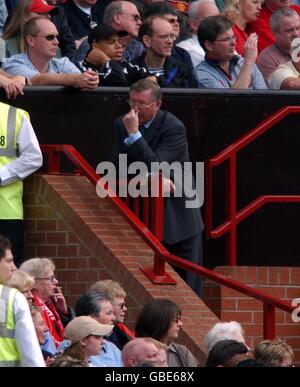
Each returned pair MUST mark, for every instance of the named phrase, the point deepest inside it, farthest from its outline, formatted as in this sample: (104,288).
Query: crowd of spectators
(86,338)
(90,43)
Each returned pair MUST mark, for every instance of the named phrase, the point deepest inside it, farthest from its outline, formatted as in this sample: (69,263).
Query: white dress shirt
(192,46)
(29,160)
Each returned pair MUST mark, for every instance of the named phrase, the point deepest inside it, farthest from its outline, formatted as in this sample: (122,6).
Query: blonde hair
(231,10)
(273,352)
(15,27)
(21,280)
(37,267)
(108,288)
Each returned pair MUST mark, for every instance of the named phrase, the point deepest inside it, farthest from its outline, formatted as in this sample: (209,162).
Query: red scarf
(51,318)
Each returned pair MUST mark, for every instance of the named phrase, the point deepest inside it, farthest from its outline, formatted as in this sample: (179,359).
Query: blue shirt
(20,64)
(135,136)
(49,345)
(210,76)
(110,355)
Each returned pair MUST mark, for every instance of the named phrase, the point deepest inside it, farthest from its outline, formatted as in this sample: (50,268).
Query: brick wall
(228,305)
(88,241)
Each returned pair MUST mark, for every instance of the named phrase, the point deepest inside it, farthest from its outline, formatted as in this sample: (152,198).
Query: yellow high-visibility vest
(11,195)
(9,353)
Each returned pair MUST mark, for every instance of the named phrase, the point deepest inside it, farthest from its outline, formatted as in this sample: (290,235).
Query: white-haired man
(198,11)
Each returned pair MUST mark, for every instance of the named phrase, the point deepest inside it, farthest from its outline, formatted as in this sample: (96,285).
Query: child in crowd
(105,57)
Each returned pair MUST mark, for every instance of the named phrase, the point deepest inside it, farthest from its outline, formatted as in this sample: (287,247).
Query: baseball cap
(83,326)
(41,6)
(103,32)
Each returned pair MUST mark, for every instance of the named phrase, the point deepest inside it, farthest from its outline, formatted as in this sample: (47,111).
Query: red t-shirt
(241,37)
(262,27)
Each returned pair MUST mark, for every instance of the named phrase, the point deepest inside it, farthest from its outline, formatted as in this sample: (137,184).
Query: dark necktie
(142,129)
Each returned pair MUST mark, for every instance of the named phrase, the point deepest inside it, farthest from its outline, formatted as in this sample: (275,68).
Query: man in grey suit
(148,134)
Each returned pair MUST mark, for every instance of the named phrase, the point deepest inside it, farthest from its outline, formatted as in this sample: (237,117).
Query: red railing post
(157,274)
(231,253)
(157,208)
(53,162)
(269,321)
(208,198)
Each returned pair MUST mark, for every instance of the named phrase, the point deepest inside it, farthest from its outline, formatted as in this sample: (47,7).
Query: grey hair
(90,303)
(193,8)
(37,267)
(111,10)
(133,349)
(277,15)
(222,331)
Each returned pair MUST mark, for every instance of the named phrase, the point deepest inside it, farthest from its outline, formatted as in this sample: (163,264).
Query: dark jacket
(120,336)
(79,21)
(176,74)
(66,38)
(164,140)
(121,73)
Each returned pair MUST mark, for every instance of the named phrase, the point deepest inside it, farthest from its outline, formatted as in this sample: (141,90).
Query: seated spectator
(99,307)
(161,320)
(241,13)
(41,332)
(39,63)
(12,85)
(274,353)
(48,296)
(262,24)
(86,336)
(26,9)
(223,351)
(198,11)
(105,57)
(224,331)
(285,24)
(82,17)
(157,36)
(222,69)
(286,76)
(167,12)
(140,350)
(122,16)
(24,283)
(121,334)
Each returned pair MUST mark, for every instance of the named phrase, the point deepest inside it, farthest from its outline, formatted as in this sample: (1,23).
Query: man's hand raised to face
(131,122)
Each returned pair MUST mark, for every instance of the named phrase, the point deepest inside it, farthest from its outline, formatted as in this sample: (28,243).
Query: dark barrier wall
(214,119)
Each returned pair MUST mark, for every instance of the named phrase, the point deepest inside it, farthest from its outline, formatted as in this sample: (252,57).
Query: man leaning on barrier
(149,135)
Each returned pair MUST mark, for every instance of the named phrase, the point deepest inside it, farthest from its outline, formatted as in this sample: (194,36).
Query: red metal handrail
(157,274)
(232,216)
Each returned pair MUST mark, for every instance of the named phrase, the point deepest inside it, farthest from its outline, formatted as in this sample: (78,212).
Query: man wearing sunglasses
(39,63)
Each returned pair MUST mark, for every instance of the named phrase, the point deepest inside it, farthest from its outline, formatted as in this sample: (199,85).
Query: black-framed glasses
(121,306)
(135,17)
(52,278)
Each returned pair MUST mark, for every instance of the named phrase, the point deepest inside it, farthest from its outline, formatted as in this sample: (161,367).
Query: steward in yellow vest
(18,340)
(20,156)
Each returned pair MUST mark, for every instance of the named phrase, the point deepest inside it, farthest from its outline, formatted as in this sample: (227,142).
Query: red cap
(41,6)
(181,6)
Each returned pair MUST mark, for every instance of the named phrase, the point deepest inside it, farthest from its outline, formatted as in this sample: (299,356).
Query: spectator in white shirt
(198,11)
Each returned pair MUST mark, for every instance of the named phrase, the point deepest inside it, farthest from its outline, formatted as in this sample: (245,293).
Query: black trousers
(14,230)
(191,250)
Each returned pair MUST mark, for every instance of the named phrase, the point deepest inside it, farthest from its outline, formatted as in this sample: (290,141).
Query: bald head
(138,351)
(199,10)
